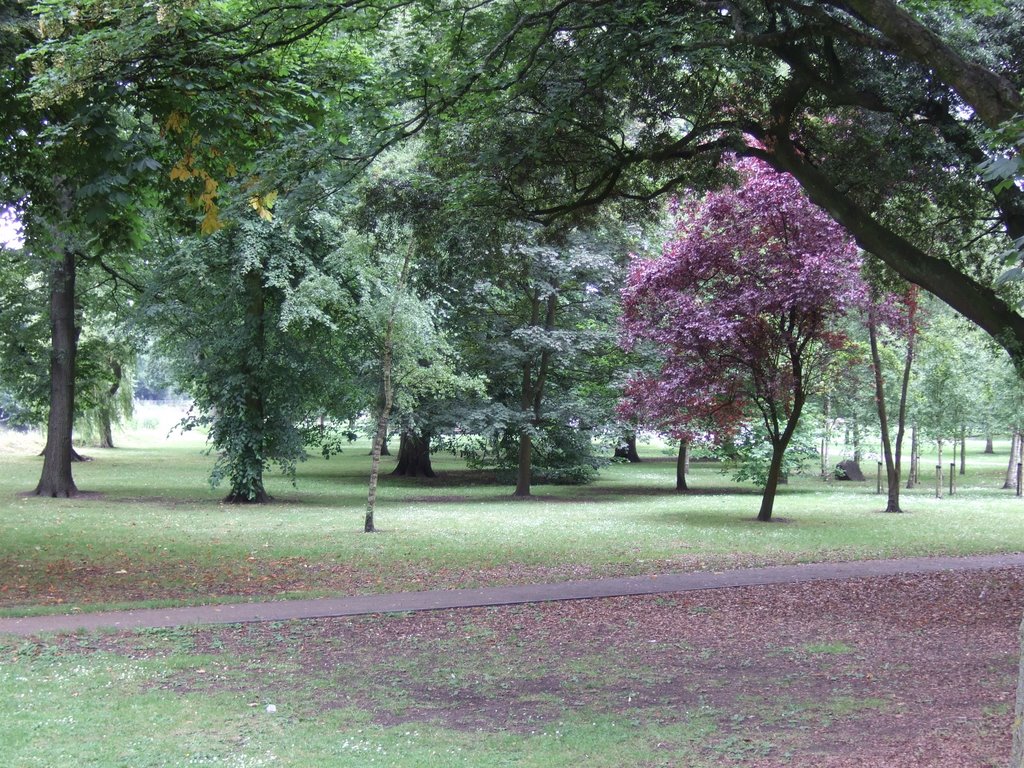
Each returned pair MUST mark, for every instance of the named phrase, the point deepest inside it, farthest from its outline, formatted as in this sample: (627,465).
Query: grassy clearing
(501,687)
(149,530)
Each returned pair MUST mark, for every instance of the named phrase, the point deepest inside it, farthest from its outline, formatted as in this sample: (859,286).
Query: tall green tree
(254,323)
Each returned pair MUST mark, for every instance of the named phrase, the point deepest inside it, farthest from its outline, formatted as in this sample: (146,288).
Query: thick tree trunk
(106,430)
(532,394)
(974,300)
(682,465)
(247,476)
(627,451)
(995,98)
(523,468)
(989,446)
(56,479)
(414,455)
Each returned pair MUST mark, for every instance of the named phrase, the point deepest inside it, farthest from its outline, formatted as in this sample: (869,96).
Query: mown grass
(150,530)
(192,697)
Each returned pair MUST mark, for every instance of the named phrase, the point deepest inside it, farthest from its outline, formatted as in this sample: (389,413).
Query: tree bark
(972,299)
(963,450)
(387,361)
(993,97)
(914,475)
(523,467)
(779,445)
(56,479)
(771,486)
(825,438)
(414,455)
(628,450)
(106,429)
(682,462)
(892,468)
(104,420)
(247,481)
(989,446)
(1011,467)
(532,394)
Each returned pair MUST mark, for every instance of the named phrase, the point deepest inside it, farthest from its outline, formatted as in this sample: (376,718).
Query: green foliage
(257,364)
(748,454)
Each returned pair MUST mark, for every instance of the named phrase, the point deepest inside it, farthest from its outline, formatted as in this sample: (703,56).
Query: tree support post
(938,481)
(952,479)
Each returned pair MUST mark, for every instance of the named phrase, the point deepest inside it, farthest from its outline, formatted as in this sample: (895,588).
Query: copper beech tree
(742,305)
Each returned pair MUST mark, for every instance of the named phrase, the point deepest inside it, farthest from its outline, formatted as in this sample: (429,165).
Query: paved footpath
(285,610)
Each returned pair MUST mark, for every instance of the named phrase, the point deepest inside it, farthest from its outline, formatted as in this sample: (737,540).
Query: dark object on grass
(849,470)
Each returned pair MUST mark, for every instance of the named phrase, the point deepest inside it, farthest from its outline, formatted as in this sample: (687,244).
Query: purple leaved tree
(742,308)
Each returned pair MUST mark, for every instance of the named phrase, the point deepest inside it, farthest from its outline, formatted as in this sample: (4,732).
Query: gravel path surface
(284,610)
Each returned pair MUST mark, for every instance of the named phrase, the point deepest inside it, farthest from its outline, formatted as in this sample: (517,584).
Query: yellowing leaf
(180,171)
(175,122)
(231,171)
(263,203)
(211,221)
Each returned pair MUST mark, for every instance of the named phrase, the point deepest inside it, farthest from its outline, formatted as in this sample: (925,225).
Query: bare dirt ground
(896,672)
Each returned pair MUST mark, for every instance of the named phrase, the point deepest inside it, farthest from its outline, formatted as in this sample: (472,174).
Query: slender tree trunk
(628,450)
(387,362)
(963,449)
(892,470)
(414,455)
(682,462)
(779,445)
(771,486)
(56,479)
(826,434)
(912,475)
(1011,467)
(858,454)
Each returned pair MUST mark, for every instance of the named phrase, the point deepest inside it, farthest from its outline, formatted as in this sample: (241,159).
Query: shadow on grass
(639,490)
(699,518)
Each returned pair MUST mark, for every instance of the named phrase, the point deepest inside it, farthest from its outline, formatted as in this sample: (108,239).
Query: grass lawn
(764,677)
(149,530)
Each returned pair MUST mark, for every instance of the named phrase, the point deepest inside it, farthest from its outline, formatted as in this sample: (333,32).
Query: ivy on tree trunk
(56,479)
